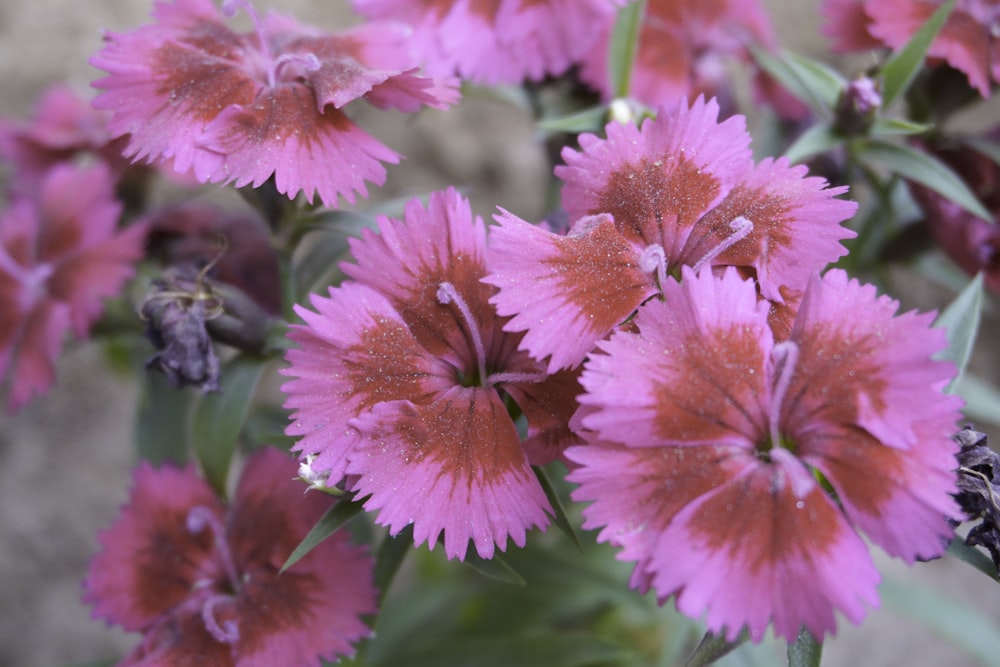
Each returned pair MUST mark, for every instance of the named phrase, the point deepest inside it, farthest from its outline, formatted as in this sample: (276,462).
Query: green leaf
(982,400)
(974,557)
(494,568)
(391,554)
(587,120)
(220,415)
(817,139)
(335,517)
(810,81)
(161,426)
(895,127)
(712,647)
(560,519)
(961,318)
(527,650)
(925,169)
(899,71)
(805,651)
(965,627)
(623,47)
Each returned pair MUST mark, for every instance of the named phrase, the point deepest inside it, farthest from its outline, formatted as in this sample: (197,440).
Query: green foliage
(161,426)
(805,651)
(899,71)
(961,319)
(335,518)
(624,44)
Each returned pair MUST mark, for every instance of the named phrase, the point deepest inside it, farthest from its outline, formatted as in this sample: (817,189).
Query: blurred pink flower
(402,378)
(498,41)
(682,190)
(64,126)
(60,256)
(968,42)
(685,50)
(738,471)
(241,108)
(201,580)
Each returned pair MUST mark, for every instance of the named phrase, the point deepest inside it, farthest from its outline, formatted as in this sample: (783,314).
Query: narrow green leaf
(964,626)
(560,519)
(391,554)
(925,169)
(220,415)
(325,249)
(335,517)
(712,647)
(587,120)
(623,47)
(817,139)
(982,399)
(903,65)
(811,82)
(529,650)
(961,319)
(161,426)
(974,557)
(895,127)
(805,651)
(494,568)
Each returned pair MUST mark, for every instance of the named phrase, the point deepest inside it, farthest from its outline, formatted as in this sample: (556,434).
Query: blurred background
(65,459)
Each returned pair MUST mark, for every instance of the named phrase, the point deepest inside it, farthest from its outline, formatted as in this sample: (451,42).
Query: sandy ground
(64,461)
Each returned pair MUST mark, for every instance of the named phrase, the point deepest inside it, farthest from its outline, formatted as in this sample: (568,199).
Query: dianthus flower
(968,41)
(241,108)
(683,49)
(680,191)
(500,41)
(201,580)
(969,241)
(63,127)
(403,378)
(60,256)
(737,469)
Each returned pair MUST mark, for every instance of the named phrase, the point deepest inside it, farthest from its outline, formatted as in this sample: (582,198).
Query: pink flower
(971,242)
(968,41)
(64,126)
(737,471)
(684,49)
(680,191)
(498,41)
(201,580)
(60,257)
(241,108)
(402,378)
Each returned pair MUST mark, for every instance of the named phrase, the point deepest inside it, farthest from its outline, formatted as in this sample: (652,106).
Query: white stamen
(448,294)
(229,8)
(739,228)
(653,258)
(785,356)
(201,517)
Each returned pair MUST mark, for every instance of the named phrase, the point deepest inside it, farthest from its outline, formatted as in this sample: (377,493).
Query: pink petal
(353,354)
(32,371)
(880,363)
(462,458)
(696,373)
(149,560)
(565,292)
(796,226)
(312,610)
(766,546)
(656,182)
(409,259)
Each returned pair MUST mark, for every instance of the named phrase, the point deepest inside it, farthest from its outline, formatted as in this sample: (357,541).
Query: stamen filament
(229,8)
(739,228)
(201,517)
(786,357)
(228,632)
(448,294)
(512,378)
(653,258)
